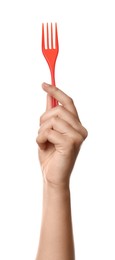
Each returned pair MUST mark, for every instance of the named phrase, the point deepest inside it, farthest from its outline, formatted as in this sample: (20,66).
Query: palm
(46,155)
(53,162)
(49,159)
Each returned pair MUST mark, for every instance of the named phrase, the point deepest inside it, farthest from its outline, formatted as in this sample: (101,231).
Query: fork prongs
(52,37)
(43,41)
(53,46)
(51,30)
(56,37)
(47,37)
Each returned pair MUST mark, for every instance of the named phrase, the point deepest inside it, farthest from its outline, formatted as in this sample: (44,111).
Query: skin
(59,140)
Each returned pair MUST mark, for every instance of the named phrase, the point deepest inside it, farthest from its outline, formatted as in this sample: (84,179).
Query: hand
(59,137)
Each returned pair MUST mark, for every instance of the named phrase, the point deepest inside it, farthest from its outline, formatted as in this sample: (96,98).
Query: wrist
(63,186)
(56,191)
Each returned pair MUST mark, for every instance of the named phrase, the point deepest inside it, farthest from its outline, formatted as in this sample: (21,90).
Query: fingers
(63,98)
(48,103)
(64,115)
(60,126)
(63,129)
(49,135)
(62,142)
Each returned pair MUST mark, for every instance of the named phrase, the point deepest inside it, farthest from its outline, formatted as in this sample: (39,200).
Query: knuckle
(85,132)
(70,100)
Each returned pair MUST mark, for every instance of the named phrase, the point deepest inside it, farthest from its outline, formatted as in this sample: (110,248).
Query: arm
(59,138)
(56,241)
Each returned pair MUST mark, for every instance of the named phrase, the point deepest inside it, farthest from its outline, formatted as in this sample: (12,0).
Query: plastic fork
(50,52)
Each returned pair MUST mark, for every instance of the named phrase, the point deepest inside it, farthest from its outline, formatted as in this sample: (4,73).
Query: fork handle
(54,101)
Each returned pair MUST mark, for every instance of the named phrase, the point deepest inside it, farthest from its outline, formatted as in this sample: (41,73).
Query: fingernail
(45,85)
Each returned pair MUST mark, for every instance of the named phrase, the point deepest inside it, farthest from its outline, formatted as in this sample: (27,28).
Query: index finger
(62,98)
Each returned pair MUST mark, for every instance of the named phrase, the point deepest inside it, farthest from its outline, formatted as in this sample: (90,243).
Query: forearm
(56,238)
(59,138)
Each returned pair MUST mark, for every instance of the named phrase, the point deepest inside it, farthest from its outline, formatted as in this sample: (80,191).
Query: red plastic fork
(50,54)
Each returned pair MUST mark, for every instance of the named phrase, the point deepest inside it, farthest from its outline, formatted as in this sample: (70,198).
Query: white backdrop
(85,70)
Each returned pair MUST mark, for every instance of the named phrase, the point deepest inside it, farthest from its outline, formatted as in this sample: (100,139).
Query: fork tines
(49,43)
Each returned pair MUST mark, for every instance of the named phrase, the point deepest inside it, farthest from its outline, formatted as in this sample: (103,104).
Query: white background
(85,70)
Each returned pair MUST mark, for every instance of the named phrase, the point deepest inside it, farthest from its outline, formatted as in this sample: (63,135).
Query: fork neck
(52,70)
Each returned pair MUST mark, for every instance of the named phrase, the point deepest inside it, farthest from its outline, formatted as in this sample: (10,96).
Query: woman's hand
(59,137)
